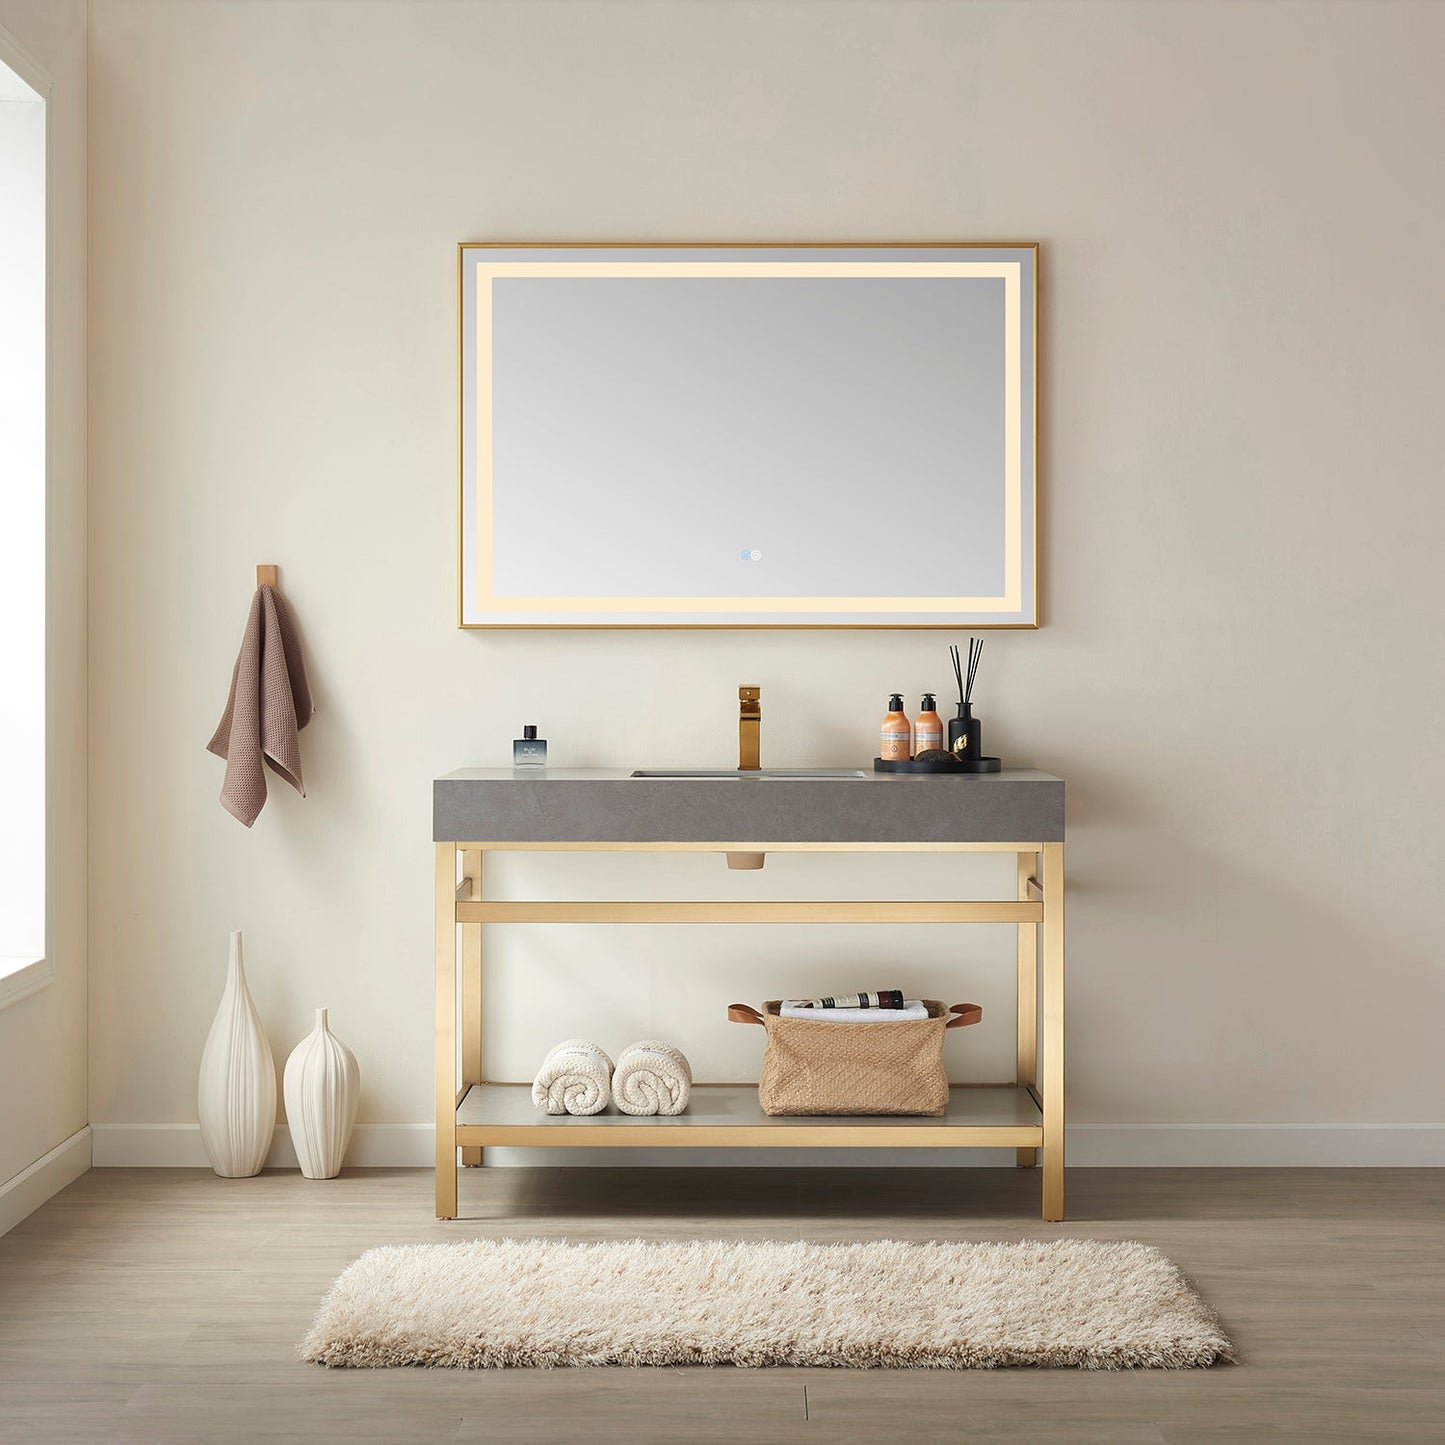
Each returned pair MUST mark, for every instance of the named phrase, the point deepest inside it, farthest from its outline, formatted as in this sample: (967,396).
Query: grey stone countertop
(496,806)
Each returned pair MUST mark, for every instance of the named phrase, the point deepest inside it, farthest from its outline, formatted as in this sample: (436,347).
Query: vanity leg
(1053,1039)
(1026,1070)
(446,1030)
(472,991)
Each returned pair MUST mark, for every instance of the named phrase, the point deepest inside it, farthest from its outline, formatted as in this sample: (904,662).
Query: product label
(884,998)
(894,747)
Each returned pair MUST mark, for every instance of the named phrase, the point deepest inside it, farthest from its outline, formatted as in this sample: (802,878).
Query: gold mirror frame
(1016,607)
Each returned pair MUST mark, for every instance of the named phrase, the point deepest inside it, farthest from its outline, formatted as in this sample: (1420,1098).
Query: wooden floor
(166,1305)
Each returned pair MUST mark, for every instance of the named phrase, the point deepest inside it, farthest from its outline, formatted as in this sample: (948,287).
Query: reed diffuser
(965,732)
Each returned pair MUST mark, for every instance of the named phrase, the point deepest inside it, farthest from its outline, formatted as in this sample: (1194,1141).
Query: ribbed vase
(236,1095)
(323,1090)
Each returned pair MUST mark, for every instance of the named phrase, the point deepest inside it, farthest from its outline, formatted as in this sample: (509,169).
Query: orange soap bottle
(928,730)
(896,732)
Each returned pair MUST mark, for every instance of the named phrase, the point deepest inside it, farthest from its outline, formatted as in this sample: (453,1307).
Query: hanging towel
(652,1078)
(575,1078)
(913,1008)
(269,703)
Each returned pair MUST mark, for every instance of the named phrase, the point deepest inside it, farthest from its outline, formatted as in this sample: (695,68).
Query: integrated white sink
(739,774)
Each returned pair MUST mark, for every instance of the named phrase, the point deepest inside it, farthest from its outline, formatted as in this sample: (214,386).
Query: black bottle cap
(529,732)
(929,702)
(895,702)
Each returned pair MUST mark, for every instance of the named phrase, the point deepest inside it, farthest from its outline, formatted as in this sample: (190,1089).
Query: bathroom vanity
(477,811)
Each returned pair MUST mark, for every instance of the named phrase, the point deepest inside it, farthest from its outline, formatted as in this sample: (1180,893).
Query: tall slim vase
(323,1090)
(236,1095)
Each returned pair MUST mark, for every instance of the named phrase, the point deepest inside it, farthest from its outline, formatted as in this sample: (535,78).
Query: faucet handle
(749,699)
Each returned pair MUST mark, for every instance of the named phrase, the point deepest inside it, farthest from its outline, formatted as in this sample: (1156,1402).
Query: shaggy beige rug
(493,1303)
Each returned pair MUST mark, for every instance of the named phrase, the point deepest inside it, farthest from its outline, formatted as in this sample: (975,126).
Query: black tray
(975,765)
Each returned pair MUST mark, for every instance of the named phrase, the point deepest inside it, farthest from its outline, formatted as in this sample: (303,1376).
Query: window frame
(24,974)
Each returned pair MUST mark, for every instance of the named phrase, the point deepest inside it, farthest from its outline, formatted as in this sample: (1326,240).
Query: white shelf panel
(722,1115)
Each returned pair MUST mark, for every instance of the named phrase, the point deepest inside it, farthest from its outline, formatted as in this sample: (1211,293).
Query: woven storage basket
(816,1066)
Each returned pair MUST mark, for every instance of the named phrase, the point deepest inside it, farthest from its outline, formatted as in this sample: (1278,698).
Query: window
(22,527)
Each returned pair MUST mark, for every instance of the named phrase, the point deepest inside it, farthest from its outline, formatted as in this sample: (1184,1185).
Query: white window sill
(21,975)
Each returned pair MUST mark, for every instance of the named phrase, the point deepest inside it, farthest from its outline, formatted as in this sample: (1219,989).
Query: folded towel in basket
(912,1009)
(652,1078)
(575,1078)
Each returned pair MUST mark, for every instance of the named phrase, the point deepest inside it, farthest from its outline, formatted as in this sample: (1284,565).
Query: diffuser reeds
(965,688)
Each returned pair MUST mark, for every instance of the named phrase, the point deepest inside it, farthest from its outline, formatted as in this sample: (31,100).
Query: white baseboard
(1247,1146)
(178,1146)
(30,1188)
(1130,1146)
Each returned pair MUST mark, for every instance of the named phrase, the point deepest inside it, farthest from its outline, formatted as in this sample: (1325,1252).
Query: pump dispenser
(896,735)
(928,730)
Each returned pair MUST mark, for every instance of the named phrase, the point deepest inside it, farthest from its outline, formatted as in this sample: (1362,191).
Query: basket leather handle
(743,1013)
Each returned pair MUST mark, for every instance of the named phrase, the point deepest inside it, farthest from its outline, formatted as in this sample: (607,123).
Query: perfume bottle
(529,751)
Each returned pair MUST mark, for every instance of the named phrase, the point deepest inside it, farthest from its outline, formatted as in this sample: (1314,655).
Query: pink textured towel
(270,703)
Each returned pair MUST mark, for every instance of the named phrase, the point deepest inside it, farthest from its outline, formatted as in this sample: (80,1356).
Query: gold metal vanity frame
(1026,1114)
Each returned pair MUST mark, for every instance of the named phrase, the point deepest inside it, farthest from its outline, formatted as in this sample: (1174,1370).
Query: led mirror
(748,436)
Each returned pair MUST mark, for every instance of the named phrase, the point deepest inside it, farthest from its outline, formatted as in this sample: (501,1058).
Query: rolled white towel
(575,1078)
(652,1078)
(912,1010)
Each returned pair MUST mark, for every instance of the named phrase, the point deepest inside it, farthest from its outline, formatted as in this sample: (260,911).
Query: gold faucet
(750,717)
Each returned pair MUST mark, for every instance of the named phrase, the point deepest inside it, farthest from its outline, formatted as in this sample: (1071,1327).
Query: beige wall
(1240,208)
(43,1035)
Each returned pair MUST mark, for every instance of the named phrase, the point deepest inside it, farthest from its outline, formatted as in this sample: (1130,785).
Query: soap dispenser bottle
(529,751)
(896,734)
(928,730)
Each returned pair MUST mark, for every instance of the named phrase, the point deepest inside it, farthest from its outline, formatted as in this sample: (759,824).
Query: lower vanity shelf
(729,1115)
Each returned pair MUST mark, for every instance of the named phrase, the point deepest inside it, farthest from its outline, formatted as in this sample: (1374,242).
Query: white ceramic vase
(323,1090)
(236,1095)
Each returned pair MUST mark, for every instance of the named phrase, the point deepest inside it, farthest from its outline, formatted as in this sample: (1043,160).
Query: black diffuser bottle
(965,732)
(965,735)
